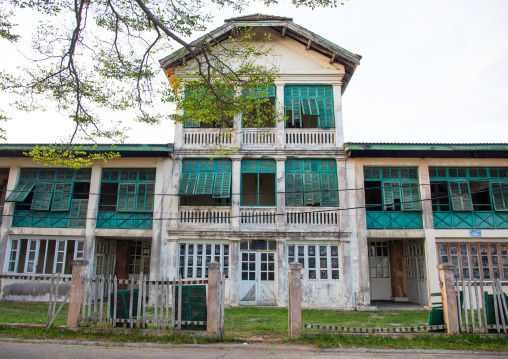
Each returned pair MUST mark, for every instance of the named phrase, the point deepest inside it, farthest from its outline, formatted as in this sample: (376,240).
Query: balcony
(326,218)
(317,138)
(470,220)
(259,137)
(199,138)
(212,217)
(394,220)
(124,220)
(256,217)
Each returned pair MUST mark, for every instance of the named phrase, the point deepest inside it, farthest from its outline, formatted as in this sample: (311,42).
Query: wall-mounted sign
(475,233)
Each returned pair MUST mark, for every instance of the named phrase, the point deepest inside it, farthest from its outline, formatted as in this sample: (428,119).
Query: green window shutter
(62,197)
(391,192)
(312,194)
(326,115)
(192,123)
(204,184)
(20,192)
(460,196)
(78,213)
(294,189)
(222,187)
(293,105)
(410,197)
(126,200)
(329,190)
(42,196)
(187,184)
(144,202)
(499,192)
(260,92)
(309,107)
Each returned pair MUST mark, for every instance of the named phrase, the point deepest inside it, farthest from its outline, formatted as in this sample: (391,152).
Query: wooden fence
(482,306)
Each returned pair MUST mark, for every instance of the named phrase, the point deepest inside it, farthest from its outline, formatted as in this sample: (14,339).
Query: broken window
(258,183)
(127,190)
(43,256)
(309,107)
(205,183)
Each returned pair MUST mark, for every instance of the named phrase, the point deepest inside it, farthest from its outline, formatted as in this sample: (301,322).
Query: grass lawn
(268,323)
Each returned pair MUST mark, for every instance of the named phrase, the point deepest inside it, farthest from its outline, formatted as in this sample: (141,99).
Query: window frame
(317,257)
(225,266)
(258,171)
(321,94)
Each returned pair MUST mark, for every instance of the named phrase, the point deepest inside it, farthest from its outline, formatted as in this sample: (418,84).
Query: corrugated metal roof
(258,17)
(424,146)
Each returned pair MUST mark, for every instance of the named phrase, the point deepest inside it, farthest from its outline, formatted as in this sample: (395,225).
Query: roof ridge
(258,17)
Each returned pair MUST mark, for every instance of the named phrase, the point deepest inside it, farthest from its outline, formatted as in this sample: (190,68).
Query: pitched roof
(286,27)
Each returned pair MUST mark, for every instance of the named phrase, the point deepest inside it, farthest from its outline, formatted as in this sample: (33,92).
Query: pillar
(295,300)
(91,216)
(282,270)
(174,200)
(450,310)
(337,105)
(281,141)
(212,310)
(7,216)
(76,292)
(281,188)
(235,191)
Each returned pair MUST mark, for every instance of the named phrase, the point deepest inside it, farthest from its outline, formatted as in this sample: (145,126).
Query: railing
(258,217)
(43,219)
(124,220)
(394,220)
(252,137)
(470,220)
(318,137)
(321,216)
(206,137)
(215,216)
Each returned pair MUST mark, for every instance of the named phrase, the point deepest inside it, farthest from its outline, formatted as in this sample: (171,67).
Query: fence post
(76,292)
(295,300)
(212,305)
(449,294)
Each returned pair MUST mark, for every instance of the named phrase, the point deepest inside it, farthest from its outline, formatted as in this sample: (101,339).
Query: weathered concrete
(212,307)
(79,268)
(295,300)
(449,295)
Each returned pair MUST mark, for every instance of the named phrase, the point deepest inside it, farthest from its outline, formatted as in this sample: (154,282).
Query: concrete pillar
(282,270)
(362,242)
(76,292)
(212,310)
(237,132)
(178,142)
(235,191)
(7,216)
(450,310)
(91,215)
(281,141)
(337,105)
(295,300)
(281,188)
(174,200)
(234,271)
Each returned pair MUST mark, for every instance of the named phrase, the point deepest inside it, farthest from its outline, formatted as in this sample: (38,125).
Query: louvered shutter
(293,105)
(309,107)
(187,184)
(329,190)
(410,197)
(42,196)
(261,92)
(460,196)
(499,192)
(62,197)
(222,186)
(294,189)
(204,184)
(20,192)
(78,213)
(144,201)
(126,200)
(391,192)
(326,115)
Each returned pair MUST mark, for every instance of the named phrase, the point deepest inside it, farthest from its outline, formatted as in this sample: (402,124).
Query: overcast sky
(432,71)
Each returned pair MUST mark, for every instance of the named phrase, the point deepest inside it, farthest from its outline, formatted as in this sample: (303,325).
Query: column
(178,142)
(281,141)
(295,300)
(7,215)
(234,270)
(91,215)
(337,105)
(280,188)
(237,132)
(362,242)
(174,200)
(212,310)
(282,277)
(235,191)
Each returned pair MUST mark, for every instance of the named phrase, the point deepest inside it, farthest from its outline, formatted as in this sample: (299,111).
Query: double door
(257,282)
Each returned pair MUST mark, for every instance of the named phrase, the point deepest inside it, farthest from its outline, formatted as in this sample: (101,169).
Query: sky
(432,71)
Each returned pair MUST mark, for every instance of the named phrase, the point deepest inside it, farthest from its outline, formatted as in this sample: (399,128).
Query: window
(58,190)
(311,183)
(43,256)
(476,260)
(206,98)
(414,254)
(258,183)
(193,258)
(320,260)
(127,190)
(309,107)
(469,189)
(263,113)
(139,257)
(379,260)
(391,189)
(205,183)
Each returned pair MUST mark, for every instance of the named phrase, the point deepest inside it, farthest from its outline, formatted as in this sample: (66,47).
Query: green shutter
(312,189)
(410,197)
(42,196)
(222,187)
(260,92)
(294,189)
(20,192)
(309,107)
(329,190)
(326,115)
(460,196)
(293,105)
(499,192)
(126,200)
(78,213)
(144,202)
(391,192)
(62,197)
(204,184)
(187,184)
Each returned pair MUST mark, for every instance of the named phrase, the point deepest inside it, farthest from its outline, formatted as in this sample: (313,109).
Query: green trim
(55,175)
(390,173)
(258,167)
(470,220)
(468,173)
(62,195)
(26,147)
(394,220)
(205,177)
(372,146)
(311,100)
(143,175)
